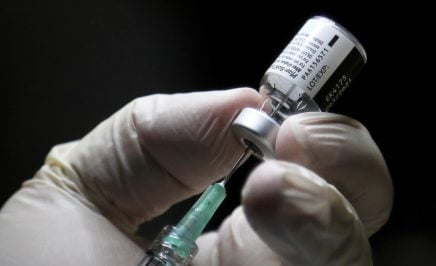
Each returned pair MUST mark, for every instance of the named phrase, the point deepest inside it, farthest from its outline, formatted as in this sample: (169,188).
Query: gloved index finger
(341,150)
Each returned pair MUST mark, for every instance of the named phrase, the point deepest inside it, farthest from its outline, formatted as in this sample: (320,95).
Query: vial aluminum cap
(257,131)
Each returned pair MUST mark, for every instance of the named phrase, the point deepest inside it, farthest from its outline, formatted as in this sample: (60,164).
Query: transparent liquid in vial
(282,98)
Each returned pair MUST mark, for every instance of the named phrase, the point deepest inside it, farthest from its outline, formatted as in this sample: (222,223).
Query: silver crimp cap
(257,131)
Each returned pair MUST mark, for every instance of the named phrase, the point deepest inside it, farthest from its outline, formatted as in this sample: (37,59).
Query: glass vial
(309,75)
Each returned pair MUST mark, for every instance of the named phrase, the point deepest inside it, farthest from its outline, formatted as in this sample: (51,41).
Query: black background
(66,65)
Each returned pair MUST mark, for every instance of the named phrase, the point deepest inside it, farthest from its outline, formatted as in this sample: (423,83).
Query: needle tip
(241,159)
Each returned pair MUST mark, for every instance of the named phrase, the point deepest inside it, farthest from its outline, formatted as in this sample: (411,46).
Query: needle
(244,155)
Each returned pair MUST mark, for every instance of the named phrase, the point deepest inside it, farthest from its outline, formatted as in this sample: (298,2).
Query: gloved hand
(85,204)
(295,216)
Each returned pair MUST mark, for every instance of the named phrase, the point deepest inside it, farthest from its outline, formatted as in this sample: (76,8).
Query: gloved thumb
(155,151)
(304,219)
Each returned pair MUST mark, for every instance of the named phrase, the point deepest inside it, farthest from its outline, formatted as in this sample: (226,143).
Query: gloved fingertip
(244,96)
(306,136)
(246,92)
(295,212)
(261,190)
(275,184)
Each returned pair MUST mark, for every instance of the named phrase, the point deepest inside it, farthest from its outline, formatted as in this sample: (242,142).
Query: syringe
(175,245)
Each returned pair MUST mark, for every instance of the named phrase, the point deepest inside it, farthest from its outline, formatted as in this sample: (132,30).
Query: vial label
(340,80)
(313,56)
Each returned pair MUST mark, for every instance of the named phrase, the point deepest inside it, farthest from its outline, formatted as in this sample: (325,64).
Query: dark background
(66,65)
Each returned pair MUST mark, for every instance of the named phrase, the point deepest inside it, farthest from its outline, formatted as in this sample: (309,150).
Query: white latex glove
(299,218)
(84,205)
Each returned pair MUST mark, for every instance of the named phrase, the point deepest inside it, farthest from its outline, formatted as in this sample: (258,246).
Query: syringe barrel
(170,248)
(196,219)
(175,245)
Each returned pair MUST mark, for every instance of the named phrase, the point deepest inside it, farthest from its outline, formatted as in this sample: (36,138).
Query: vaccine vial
(310,74)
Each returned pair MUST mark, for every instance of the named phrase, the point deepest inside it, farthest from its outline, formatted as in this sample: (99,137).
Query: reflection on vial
(282,98)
